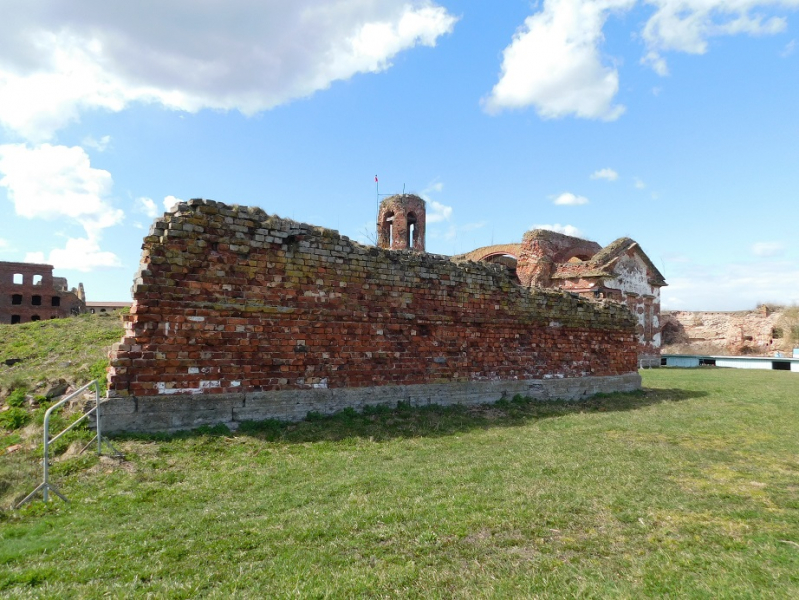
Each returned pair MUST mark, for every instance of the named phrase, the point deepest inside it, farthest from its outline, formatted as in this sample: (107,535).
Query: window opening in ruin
(55,301)
(15,319)
(409,243)
(16,299)
(648,324)
(37,280)
(18,279)
(36,300)
(36,318)
(387,228)
(53,317)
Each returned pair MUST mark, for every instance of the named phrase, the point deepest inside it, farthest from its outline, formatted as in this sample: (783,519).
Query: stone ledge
(158,414)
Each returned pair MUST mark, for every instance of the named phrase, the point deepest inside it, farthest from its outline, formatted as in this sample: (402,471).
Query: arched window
(15,319)
(36,318)
(36,300)
(16,298)
(387,228)
(18,279)
(55,301)
(37,280)
(410,242)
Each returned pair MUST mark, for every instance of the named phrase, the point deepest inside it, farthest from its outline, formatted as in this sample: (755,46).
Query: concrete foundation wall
(156,413)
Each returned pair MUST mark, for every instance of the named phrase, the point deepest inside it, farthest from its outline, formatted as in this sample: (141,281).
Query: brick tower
(401,223)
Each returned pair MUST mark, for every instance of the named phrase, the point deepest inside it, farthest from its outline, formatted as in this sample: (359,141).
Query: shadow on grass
(403,421)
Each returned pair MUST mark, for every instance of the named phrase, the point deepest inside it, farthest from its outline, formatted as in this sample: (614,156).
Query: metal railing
(45,487)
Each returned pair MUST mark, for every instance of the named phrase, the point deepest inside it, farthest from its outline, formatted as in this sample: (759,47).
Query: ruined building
(620,271)
(29,292)
(240,315)
(765,330)
(401,223)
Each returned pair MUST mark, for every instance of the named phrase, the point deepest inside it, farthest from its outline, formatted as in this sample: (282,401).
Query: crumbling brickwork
(620,271)
(29,292)
(401,223)
(542,252)
(230,300)
(759,331)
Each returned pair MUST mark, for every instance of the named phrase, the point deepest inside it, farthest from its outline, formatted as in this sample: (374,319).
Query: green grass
(690,489)
(55,349)
(43,353)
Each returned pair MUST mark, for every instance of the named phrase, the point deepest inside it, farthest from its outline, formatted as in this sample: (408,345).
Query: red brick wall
(230,299)
(542,251)
(27,292)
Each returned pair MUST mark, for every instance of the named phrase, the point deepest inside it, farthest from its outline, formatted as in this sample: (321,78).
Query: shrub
(14,418)
(17,398)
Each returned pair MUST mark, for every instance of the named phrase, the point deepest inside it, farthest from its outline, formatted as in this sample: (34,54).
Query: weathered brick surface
(230,300)
(733,332)
(37,296)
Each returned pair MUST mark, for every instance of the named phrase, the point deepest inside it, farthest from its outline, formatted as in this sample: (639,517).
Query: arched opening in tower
(411,241)
(387,229)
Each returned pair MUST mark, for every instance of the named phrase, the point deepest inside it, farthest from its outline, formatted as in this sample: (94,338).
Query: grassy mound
(38,361)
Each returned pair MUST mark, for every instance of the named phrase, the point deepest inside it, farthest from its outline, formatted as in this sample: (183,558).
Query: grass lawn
(690,489)
(58,348)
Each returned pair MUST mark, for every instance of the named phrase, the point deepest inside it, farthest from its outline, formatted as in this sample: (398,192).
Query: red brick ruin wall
(34,297)
(229,299)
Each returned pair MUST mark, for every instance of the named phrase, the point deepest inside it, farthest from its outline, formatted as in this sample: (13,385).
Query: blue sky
(671,122)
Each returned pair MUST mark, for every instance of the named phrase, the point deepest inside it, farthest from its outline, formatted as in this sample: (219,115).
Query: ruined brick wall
(29,292)
(736,332)
(230,300)
(620,271)
(542,251)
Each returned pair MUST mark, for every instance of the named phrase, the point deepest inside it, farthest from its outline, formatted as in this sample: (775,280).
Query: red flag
(375,178)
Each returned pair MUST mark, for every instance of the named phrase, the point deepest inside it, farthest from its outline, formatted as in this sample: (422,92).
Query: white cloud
(188,55)
(100,145)
(435,186)
(607,174)
(789,49)
(639,184)
(558,228)
(35,257)
(80,254)
(51,182)
(58,182)
(554,63)
(147,206)
(737,286)
(569,199)
(687,25)
(437,212)
(453,231)
(473,226)
(170,202)
(765,249)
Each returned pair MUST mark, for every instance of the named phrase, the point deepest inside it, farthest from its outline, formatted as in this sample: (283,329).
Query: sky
(673,122)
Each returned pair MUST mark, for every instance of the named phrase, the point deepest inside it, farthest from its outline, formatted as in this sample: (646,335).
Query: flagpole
(377,213)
